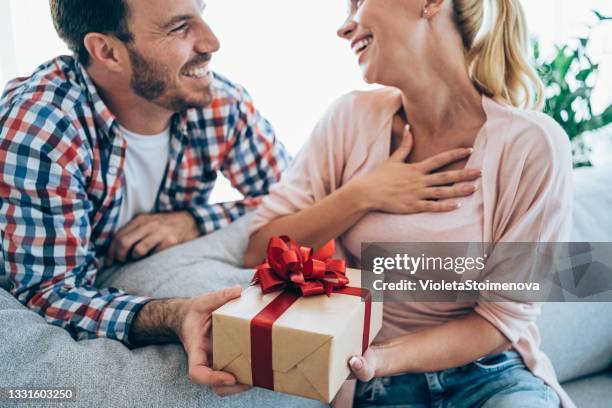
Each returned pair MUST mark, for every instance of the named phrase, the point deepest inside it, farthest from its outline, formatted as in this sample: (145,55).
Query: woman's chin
(368,77)
(385,78)
(371,79)
(372,74)
(367,80)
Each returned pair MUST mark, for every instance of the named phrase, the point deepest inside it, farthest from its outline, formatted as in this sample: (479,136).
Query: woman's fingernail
(356,363)
(476,172)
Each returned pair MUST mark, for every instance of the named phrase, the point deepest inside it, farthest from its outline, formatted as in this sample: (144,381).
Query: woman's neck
(443,105)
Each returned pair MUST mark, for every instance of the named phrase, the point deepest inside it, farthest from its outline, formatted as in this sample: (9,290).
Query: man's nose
(347,28)
(207,41)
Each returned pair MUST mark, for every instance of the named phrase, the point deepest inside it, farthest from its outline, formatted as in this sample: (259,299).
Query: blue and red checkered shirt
(61,166)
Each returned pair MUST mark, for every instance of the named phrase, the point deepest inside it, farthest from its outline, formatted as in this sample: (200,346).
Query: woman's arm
(394,187)
(314,226)
(448,345)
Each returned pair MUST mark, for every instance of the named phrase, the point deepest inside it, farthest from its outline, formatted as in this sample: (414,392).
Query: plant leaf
(585,73)
(607,115)
(536,49)
(563,61)
(601,17)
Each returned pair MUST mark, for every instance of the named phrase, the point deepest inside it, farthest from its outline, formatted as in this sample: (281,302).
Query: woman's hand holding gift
(366,367)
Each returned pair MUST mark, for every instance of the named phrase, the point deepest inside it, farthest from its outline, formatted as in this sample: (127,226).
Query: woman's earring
(425,12)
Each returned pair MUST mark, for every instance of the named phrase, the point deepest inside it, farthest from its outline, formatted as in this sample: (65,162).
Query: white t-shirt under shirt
(145,165)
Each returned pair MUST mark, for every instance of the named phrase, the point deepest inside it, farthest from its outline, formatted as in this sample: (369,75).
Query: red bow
(289,265)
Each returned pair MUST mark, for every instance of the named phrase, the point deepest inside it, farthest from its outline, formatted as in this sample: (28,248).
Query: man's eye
(181,28)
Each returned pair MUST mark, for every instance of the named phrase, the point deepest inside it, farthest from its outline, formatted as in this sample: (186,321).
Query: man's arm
(158,322)
(45,229)
(254,161)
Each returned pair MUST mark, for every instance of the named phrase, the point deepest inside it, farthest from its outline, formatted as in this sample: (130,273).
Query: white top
(146,159)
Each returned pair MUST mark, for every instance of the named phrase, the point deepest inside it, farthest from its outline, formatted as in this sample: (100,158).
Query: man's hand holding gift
(190,321)
(195,334)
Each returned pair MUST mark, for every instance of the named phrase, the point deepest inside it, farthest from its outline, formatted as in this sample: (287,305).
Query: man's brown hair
(74,19)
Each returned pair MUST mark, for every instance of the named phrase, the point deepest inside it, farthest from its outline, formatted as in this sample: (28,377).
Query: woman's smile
(359,45)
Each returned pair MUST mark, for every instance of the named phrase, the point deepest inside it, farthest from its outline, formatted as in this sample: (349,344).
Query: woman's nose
(347,28)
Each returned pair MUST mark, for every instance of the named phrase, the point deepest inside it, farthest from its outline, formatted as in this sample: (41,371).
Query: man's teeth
(197,73)
(362,44)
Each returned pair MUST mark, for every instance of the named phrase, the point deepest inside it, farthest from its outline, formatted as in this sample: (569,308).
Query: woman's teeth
(197,73)
(361,45)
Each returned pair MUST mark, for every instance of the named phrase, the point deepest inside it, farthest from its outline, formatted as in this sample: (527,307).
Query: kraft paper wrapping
(311,342)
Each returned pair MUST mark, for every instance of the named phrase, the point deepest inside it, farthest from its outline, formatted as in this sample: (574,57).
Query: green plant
(569,79)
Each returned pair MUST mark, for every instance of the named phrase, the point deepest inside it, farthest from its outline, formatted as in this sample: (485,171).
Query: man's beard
(151,81)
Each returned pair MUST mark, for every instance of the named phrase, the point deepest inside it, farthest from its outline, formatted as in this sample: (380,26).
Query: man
(112,155)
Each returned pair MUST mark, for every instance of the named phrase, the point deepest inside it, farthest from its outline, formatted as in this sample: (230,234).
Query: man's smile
(197,72)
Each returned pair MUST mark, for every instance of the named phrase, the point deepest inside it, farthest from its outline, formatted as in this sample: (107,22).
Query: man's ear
(432,7)
(106,50)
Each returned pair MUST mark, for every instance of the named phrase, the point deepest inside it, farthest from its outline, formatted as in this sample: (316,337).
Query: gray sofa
(578,336)
(103,373)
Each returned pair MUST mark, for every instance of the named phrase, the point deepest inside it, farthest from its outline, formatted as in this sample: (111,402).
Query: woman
(459,80)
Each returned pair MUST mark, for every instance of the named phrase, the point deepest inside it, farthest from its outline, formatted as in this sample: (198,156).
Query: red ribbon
(298,273)
(289,265)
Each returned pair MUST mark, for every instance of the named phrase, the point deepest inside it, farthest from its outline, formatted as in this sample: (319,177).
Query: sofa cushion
(591,392)
(577,337)
(205,264)
(592,220)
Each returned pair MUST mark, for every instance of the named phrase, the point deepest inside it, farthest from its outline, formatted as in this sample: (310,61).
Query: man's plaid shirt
(61,165)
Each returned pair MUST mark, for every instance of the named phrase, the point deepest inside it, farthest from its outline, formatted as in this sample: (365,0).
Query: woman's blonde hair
(497,49)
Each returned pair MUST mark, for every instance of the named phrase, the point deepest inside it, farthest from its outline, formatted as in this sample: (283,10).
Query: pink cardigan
(525,195)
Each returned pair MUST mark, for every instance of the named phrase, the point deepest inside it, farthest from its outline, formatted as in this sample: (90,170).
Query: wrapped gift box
(311,341)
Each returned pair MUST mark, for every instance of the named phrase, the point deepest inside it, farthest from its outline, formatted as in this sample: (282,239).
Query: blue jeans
(496,381)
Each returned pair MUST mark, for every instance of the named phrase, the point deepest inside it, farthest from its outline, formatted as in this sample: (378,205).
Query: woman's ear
(104,49)
(432,7)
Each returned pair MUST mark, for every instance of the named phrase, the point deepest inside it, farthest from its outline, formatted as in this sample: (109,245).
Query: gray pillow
(577,337)
(205,264)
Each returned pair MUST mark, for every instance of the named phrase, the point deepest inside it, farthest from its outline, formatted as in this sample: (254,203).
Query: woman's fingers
(441,193)
(452,177)
(436,207)
(404,149)
(361,368)
(443,159)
